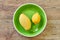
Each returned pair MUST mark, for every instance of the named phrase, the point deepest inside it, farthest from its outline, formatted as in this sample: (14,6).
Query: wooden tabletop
(52,9)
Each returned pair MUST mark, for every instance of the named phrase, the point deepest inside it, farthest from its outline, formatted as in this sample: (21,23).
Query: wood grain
(52,9)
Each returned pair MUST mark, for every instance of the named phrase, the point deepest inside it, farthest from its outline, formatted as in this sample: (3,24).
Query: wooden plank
(44,3)
(53,13)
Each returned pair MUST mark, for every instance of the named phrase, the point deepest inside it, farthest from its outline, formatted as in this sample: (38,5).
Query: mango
(25,21)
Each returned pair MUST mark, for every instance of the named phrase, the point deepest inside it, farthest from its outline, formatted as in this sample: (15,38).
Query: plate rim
(44,24)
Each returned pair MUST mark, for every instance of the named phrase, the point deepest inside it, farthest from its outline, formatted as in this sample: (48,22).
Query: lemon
(36,18)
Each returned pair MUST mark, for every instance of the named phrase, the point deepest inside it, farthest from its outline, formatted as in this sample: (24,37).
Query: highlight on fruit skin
(25,21)
(36,18)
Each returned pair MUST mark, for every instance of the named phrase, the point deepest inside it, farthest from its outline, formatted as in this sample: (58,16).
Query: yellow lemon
(36,18)
(25,21)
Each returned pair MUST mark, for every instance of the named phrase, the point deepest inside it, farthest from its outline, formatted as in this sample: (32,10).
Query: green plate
(29,9)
